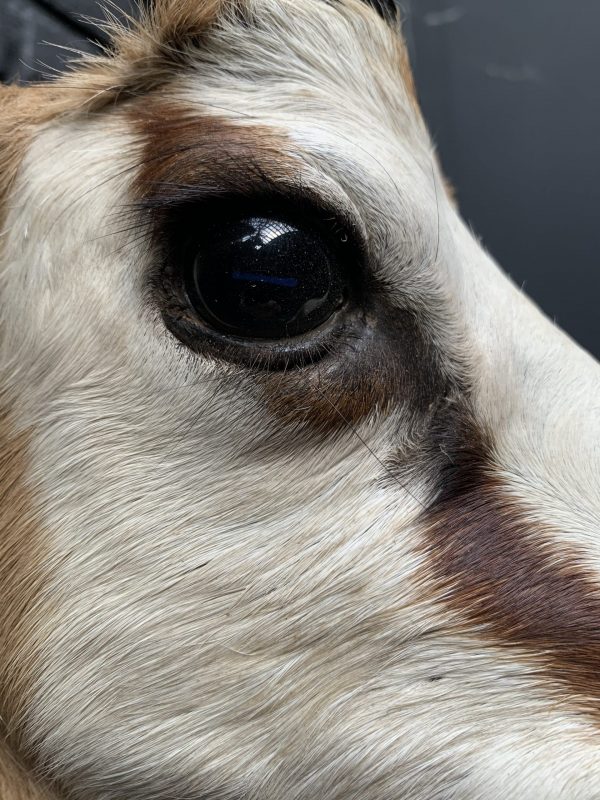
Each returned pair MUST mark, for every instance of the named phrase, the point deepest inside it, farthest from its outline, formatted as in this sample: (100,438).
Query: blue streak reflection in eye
(274,280)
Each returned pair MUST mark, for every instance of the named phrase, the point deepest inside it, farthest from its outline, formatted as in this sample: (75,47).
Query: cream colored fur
(228,613)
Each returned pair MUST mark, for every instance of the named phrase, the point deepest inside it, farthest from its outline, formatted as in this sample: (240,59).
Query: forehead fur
(171,33)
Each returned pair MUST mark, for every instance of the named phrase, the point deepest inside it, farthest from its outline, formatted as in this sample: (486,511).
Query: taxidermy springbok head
(300,494)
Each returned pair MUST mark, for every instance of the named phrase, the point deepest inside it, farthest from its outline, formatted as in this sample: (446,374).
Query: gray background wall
(511,93)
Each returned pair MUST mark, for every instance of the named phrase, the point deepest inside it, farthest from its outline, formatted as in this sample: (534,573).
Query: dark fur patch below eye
(385,365)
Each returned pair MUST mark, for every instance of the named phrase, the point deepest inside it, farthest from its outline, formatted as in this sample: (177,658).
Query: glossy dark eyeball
(262,277)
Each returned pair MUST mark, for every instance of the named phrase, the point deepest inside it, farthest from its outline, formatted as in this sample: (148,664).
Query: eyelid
(327,200)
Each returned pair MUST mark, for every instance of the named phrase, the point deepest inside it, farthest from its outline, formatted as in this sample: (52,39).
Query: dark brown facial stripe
(505,573)
(381,366)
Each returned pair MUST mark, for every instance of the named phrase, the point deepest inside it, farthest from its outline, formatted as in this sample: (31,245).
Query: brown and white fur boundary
(376,577)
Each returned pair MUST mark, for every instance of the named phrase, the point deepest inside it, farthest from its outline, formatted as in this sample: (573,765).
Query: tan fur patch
(145,53)
(405,69)
(15,781)
(21,561)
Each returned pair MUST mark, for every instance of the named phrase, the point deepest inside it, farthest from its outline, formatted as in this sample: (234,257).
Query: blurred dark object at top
(30,29)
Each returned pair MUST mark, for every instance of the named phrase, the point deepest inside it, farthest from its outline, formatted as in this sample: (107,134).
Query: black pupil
(264,278)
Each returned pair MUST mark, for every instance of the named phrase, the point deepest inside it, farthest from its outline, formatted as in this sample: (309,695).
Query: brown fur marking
(380,367)
(145,53)
(505,573)
(181,148)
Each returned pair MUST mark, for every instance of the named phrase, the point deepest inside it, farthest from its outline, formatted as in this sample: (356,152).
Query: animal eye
(262,276)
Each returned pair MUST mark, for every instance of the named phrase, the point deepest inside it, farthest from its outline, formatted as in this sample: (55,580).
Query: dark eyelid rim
(168,198)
